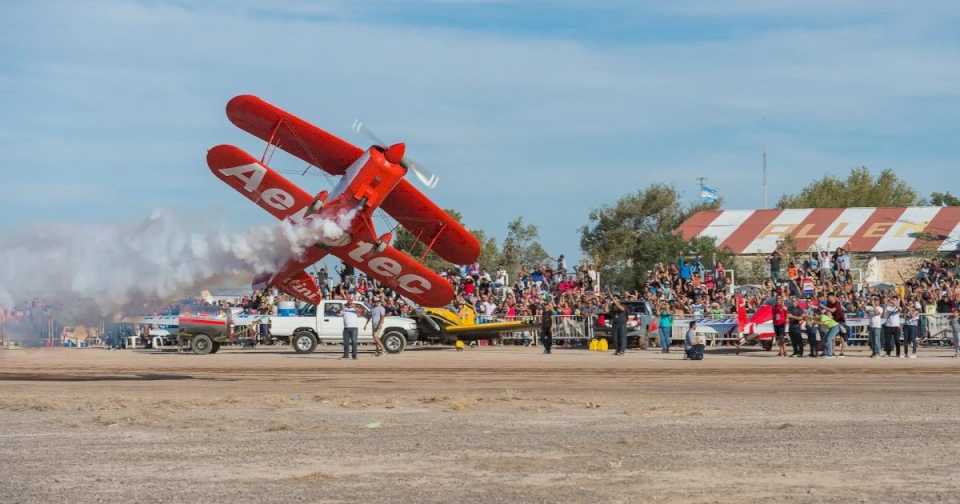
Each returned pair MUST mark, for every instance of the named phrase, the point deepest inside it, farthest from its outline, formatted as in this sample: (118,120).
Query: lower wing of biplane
(286,201)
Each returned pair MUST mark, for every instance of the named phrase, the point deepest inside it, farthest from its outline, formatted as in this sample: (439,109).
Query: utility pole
(764,187)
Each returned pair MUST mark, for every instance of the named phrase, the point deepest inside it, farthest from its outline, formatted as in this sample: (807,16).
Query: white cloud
(136,90)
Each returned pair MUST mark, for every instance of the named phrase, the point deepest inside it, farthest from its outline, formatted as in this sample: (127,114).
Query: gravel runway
(500,424)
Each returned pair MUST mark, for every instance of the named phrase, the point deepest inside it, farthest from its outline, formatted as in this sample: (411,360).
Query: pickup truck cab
(323,323)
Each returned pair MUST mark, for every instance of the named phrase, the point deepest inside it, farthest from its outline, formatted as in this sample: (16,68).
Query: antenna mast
(764,187)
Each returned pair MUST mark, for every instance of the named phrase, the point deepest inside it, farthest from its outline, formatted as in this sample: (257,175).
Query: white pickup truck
(324,324)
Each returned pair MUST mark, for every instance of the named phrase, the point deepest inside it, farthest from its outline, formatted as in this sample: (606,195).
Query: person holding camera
(546,328)
(351,329)
(618,321)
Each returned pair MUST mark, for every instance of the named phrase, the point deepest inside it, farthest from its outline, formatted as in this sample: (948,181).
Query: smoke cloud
(158,259)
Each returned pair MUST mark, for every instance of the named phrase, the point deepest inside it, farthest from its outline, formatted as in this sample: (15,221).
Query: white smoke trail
(157,259)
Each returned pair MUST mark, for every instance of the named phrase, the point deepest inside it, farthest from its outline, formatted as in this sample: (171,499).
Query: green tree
(522,247)
(944,199)
(625,240)
(859,189)
(489,251)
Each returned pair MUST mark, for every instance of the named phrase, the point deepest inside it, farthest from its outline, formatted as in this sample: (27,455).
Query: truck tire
(303,342)
(201,344)
(394,340)
(216,347)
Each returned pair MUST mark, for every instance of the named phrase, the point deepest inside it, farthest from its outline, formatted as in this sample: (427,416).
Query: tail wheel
(303,342)
(201,344)
(394,341)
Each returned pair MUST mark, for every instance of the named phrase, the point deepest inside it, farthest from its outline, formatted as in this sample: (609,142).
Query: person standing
(911,324)
(891,326)
(351,327)
(875,314)
(813,327)
(795,318)
(955,328)
(780,326)
(618,320)
(666,328)
(377,315)
(775,260)
(546,328)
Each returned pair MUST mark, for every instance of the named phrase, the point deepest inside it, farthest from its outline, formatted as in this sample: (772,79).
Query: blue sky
(539,109)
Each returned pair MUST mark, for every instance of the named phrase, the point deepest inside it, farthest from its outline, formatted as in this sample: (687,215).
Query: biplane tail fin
(293,278)
(301,286)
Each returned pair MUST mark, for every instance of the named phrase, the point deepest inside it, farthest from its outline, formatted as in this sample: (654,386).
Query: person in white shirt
(875,313)
(891,326)
(911,328)
(351,329)
(502,278)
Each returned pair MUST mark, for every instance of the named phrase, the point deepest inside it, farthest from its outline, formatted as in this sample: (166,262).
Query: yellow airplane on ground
(448,326)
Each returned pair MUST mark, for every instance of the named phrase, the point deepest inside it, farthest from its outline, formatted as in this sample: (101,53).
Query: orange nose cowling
(395,153)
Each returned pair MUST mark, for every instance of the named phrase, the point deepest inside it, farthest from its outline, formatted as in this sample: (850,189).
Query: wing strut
(433,241)
(272,147)
(273,135)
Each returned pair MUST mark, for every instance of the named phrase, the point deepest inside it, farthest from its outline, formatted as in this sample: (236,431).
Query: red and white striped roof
(854,229)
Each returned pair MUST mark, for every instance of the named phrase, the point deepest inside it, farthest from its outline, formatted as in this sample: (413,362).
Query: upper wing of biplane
(411,208)
(292,134)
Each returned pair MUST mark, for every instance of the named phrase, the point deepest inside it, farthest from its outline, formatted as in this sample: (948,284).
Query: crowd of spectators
(818,292)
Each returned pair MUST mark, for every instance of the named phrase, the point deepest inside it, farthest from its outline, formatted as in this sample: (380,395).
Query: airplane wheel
(767,345)
(394,341)
(201,344)
(303,342)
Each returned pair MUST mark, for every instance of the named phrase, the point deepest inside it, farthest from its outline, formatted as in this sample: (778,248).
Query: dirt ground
(501,424)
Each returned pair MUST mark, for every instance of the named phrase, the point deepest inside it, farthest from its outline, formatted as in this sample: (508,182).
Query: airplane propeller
(426,177)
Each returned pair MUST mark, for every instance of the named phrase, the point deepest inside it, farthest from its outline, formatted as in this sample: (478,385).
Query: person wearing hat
(377,315)
(351,327)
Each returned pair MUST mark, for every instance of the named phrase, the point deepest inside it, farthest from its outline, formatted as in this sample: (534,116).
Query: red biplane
(370,179)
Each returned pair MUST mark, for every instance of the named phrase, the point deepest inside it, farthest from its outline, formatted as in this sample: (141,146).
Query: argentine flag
(708,194)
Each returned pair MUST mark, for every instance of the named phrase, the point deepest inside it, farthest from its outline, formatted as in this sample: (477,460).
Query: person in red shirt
(780,326)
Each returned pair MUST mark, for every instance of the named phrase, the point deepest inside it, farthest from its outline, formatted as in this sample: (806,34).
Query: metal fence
(577,330)
(567,329)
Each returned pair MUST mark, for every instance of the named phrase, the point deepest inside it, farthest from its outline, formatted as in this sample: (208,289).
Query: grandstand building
(892,238)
